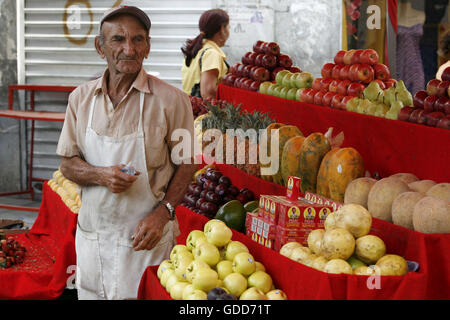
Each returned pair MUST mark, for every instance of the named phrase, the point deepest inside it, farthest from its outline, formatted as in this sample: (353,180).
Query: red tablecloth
(301,282)
(387,146)
(50,251)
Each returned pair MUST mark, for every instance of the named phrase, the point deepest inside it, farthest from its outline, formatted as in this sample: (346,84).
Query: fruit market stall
(49,252)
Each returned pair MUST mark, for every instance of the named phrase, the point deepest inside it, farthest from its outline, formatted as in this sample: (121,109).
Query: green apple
(181,264)
(270,89)
(187,291)
(193,267)
(264,87)
(253,293)
(166,275)
(259,266)
(260,280)
(304,80)
(277,91)
(208,253)
(283,92)
(291,94)
(166,264)
(193,237)
(224,268)
(235,283)
(176,292)
(244,263)
(280,75)
(233,248)
(276,295)
(176,250)
(286,81)
(297,94)
(218,234)
(197,295)
(205,279)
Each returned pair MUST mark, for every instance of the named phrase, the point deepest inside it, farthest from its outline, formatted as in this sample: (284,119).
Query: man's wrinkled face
(126,44)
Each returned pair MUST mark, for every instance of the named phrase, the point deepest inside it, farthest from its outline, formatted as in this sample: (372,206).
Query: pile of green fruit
(287,85)
(381,103)
(211,266)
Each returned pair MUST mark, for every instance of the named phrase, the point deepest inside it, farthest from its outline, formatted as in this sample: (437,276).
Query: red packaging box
(315,198)
(293,188)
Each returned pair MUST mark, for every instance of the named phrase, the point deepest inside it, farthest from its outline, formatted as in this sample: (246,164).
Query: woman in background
(204,64)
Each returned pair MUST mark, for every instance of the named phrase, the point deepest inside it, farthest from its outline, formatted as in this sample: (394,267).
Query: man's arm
(149,230)
(84,174)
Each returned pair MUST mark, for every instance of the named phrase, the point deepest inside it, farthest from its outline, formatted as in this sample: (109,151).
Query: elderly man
(126,222)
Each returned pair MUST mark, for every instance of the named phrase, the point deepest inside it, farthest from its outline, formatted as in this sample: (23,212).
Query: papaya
(272,126)
(285,133)
(322,187)
(345,166)
(313,150)
(289,158)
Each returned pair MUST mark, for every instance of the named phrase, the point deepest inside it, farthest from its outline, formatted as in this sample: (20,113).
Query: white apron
(107,265)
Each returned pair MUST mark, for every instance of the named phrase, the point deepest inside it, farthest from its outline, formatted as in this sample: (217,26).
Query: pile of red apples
(261,64)
(347,78)
(431,106)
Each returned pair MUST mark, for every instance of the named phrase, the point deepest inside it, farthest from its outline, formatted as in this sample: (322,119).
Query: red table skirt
(387,146)
(302,282)
(50,248)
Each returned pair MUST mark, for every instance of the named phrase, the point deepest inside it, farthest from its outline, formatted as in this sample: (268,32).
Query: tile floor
(27,216)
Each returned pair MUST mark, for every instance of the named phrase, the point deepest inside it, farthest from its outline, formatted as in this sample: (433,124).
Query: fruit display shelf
(387,146)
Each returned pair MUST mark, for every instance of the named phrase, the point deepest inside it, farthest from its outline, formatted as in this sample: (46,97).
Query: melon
(358,191)
(403,207)
(406,177)
(441,191)
(432,215)
(421,186)
(382,195)
(338,266)
(354,218)
(392,265)
(370,248)
(337,243)
(315,240)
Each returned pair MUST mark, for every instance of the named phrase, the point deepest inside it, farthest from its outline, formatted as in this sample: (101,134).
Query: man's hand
(116,180)
(149,230)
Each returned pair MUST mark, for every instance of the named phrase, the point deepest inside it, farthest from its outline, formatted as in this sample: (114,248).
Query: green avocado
(233,214)
(355,262)
(251,206)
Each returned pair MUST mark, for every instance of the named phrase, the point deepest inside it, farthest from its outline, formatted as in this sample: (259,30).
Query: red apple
(261,74)
(405,113)
(246,58)
(269,61)
(390,83)
(343,87)
(295,69)
(334,86)
(336,101)
(284,61)
(275,71)
(444,123)
(254,86)
(252,71)
(344,74)
(240,70)
(272,48)
(316,84)
(380,83)
(419,98)
(353,73)
(439,105)
(348,56)
(414,117)
(327,69)
(344,102)
(442,88)
(432,87)
(304,97)
(355,89)
(336,73)
(232,78)
(257,47)
(369,56)
(246,71)
(356,57)
(447,108)
(365,73)
(382,71)
(339,58)
(423,117)
(327,97)
(258,60)
(325,84)
(318,97)
(233,68)
(446,74)
(429,102)
(310,96)
(433,118)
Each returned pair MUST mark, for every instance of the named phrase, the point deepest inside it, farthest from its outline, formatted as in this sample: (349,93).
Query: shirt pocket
(156,146)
